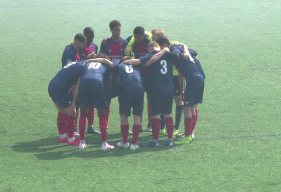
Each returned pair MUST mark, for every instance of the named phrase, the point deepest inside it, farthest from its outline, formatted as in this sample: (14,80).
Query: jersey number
(164,65)
(129,69)
(94,65)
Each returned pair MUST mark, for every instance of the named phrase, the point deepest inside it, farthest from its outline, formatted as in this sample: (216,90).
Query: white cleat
(121,144)
(76,135)
(134,147)
(82,145)
(107,147)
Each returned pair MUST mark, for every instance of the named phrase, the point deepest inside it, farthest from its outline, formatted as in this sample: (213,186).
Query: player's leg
(124,131)
(163,125)
(167,110)
(82,126)
(102,124)
(71,117)
(61,123)
(90,118)
(179,104)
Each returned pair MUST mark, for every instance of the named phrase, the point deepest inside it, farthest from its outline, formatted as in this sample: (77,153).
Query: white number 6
(129,69)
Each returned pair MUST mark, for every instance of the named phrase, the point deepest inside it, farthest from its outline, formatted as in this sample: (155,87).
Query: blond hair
(159,32)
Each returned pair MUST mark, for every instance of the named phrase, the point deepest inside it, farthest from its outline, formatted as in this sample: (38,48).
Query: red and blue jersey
(162,72)
(190,70)
(128,74)
(68,75)
(92,48)
(114,49)
(69,55)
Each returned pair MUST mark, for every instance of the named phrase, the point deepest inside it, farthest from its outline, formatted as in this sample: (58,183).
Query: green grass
(238,44)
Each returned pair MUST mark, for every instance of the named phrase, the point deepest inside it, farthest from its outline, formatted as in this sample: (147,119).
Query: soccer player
(140,50)
(194,76)
(162,94)
(89,49)
(59,92)
(70,53)
(114,47)
(131,95)
(91,90)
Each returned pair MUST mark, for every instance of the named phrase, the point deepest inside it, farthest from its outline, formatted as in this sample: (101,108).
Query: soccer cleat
(151,144)
(130,132)
(184,140)
(63,140)
(192,136)
(75,142)
(162,132)
(181,135)
(107,147)
(168,143)
(176,132)
(82,145)
(121,144)
(134,147)
(149,129)
(92,130)
(76,134)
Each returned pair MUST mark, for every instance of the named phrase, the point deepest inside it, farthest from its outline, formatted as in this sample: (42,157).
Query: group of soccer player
(160,68)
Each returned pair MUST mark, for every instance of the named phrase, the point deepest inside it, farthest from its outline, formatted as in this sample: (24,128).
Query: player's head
(115,28)
(157,33)
(89,33)
(153,46)
(80,41)
(139,34)
(125,58)
(163,42)
(91,56)
(101,55)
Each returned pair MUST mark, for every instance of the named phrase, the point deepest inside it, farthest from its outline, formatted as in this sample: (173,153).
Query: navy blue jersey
(114,50)
(69,74)
(92,48)
(162,72)
(128,74)
(198,64)
(187,67)
(101,72)
(69,55)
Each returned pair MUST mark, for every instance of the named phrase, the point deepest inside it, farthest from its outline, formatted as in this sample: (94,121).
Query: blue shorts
(91,92)
(59,95)
(132,95)
(161,102)
(114,90)
(147,82)
(194,92)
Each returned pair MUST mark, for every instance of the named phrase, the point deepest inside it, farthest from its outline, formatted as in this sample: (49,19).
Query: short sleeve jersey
(187,67)
(128,74)
(92,48)
(69,55)
(162,72)
(114,50)
(69,74)
(95,70)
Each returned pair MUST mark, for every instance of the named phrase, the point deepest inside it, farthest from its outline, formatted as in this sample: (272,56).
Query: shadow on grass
(50,149)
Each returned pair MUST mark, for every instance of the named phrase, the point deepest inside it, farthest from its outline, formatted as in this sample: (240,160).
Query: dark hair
(114,23)
(89,31)
(80,37)
(162,40)
(101,55)
(139,30)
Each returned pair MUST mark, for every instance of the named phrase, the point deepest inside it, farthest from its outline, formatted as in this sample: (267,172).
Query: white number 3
(129,69)
(164,65)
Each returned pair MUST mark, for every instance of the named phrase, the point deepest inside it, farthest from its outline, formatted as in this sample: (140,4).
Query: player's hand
(73,107)
(104,40)
(166,49)
(116,80)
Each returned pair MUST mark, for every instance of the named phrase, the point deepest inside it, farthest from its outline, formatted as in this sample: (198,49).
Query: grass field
(237,145)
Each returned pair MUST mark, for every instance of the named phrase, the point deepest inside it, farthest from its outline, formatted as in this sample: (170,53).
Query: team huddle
(160,68)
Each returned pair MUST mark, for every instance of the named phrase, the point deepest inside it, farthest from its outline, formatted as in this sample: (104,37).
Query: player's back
(69,74)
(114,49)
(128,74)
(198,64)
(94,70)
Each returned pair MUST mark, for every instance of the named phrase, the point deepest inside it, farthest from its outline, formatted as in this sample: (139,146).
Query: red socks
(61,119)
(70,126)
(90,116)
(148,113)
(102,122)
(193,122)
(188,126)
(82,125)
(124,132)
(136,132)
(77,113)
(156,125)
(170,127)
(107,116)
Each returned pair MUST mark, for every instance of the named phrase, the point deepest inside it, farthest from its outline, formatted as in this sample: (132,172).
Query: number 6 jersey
(128,74)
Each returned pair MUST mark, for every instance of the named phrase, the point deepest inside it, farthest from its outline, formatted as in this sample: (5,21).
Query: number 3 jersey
(161,71)
(68,75)
(128,74)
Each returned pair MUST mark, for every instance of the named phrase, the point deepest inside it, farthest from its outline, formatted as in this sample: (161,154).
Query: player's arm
(157,56)
(100,60)
(132,62)
(186,52)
